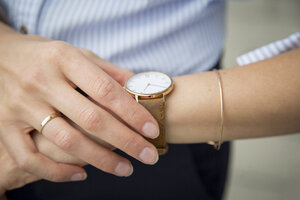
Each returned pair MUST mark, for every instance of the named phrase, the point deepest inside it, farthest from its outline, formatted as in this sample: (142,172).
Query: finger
(77,144)
(118,73)
(28,178)
(22,149)
(98,122)
(52,151)
(92,137)
(11,176)
(107,92)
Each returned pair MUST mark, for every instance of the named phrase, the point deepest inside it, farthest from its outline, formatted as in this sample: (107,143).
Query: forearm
(261,99)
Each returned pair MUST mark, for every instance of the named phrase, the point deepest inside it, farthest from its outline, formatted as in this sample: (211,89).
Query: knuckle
(103,87)
(135,113)
(57,50)
(104,163)
(91,120)
(132,143)
(87,52)
(64,139)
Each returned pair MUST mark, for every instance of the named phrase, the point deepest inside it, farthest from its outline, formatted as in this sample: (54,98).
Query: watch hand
(157,85)
(146,87)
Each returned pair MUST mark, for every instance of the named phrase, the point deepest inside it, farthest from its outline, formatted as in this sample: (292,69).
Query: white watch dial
(148,83)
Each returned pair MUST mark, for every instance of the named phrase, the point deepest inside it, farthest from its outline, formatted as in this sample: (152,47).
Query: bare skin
(12,176)
(38,76)
(261,99)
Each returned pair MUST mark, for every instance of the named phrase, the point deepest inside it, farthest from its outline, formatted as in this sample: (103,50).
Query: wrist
(192,110)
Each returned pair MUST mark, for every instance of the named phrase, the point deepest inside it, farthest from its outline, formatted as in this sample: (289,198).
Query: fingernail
(124,169)
(148,155)
(150,130)
(79,177)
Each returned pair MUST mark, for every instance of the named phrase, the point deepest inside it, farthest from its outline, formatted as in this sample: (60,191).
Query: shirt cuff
(270,50)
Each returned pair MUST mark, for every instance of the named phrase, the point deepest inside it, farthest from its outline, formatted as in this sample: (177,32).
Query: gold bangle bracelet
(217,144)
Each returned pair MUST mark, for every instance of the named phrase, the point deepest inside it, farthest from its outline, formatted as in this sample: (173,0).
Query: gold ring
(47,119)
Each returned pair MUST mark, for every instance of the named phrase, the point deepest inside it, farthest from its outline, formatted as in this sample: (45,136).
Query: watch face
(148,83)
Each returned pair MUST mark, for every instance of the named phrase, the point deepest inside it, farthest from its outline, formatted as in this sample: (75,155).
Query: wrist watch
(150,90)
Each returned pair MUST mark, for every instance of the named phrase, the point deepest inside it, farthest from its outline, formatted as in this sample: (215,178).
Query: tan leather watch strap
(157,108)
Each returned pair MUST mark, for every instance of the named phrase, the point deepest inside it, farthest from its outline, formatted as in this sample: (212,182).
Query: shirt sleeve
(270,50)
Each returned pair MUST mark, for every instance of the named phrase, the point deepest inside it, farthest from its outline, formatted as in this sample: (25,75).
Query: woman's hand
(12,177)
(38,77)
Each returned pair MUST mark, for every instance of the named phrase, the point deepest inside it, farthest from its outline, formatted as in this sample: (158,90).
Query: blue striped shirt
(172,36)
(270,50)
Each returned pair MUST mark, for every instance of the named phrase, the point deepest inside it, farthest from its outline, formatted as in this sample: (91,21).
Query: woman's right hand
(38,77)
(13,177)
